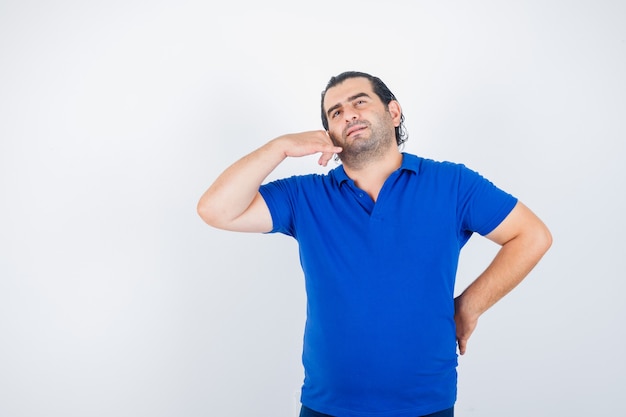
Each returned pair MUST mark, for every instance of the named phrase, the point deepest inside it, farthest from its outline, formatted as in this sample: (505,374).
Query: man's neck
(371,176)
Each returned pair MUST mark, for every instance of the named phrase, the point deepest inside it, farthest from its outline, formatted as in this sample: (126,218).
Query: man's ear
(396,112)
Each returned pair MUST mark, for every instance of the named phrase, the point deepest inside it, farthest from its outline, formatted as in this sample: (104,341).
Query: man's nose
(351,115)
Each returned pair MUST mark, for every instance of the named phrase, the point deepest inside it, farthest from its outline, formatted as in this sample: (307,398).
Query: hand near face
(309,143)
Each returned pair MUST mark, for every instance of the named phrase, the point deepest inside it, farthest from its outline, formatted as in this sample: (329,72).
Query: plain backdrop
(117,300)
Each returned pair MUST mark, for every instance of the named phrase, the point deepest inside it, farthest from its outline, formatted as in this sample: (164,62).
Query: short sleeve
(482,205)
(278,197)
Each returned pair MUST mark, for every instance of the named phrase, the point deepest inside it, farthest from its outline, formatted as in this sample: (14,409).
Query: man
(379,239)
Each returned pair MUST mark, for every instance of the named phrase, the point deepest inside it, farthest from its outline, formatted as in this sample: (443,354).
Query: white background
(115,298)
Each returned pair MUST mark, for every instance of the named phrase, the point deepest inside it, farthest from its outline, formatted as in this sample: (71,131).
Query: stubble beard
(360,151)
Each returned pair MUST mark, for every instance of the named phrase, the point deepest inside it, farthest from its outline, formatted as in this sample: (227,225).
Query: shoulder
(308,183)
(427,166)
(308,180)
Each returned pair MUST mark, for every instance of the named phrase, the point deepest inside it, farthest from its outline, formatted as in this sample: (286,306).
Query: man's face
(358,120)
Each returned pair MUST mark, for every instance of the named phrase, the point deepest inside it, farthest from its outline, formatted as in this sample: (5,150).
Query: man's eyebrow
(351,98)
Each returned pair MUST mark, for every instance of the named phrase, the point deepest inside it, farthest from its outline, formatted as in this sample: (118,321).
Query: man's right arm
(233,201)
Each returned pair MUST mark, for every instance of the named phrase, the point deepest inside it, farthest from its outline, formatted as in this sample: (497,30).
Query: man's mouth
(355,128)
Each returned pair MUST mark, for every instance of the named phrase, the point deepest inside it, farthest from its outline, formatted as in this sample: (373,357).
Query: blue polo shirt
(380,336)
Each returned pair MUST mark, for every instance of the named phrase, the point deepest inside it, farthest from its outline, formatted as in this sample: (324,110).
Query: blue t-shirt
(380,336)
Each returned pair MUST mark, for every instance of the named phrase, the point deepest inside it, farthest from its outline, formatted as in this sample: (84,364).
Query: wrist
(464,305)
(276,148)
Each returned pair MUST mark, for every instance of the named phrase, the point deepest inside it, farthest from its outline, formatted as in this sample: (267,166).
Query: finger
(462,346)
(325,157)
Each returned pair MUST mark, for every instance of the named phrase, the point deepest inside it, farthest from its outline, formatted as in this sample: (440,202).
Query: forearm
(512,264)
(235,189)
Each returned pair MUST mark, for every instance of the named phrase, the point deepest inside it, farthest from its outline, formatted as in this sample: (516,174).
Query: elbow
(207,213)
(213,213)
(543,239)
(548,239)
(202,211)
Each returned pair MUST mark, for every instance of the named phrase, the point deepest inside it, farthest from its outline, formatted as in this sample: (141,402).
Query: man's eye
(335,114)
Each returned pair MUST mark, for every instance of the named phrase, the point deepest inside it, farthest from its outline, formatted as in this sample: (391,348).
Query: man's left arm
(524,239)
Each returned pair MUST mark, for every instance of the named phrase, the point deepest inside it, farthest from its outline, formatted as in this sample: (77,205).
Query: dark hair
(380,89)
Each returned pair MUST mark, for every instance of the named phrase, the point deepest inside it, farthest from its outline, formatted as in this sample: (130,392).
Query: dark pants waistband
(307,412)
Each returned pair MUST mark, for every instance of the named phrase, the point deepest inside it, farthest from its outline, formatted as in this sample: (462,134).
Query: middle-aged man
(379,239)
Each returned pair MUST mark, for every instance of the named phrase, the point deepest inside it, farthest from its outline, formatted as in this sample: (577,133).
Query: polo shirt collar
(409,163)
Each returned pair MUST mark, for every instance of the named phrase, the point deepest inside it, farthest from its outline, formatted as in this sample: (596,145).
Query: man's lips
(355,128)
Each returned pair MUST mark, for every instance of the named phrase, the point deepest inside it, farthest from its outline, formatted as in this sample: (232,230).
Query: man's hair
(380,89)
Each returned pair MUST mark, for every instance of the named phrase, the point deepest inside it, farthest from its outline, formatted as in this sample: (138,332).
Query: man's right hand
(309,143)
